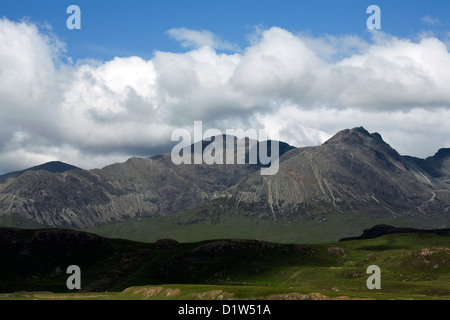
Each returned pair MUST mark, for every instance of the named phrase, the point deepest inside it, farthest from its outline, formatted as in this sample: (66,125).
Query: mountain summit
(54,166)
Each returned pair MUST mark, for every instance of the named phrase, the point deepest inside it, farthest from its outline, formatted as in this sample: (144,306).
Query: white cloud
(197,39)
(333,48)
(93,113)
(396,74)
(431,20)
(279,66)
(27,65)
(447,40)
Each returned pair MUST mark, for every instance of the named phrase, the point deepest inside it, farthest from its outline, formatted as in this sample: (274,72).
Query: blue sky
(138,70)
(138,27)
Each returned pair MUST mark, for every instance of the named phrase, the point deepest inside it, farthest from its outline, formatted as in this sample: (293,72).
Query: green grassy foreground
(209,223)
(412,267)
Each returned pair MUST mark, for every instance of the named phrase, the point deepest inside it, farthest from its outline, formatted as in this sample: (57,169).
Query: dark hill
(382,230)
(38,259)
(54,166)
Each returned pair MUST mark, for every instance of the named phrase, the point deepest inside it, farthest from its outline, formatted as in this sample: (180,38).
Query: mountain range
(355,173)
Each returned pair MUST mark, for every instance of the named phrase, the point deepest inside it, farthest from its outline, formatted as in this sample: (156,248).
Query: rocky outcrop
(243,245)
(166,244)
(337,252)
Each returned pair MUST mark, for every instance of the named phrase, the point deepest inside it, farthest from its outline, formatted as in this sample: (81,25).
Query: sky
(137,70)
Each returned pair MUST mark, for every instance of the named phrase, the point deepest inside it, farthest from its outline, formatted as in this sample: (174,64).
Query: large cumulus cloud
(92,113)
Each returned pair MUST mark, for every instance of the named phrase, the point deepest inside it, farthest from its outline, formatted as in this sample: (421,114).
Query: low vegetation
(413,266)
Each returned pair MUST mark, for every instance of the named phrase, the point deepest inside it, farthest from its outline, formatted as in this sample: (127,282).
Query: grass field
(15,221)
(208,223)
(413,267)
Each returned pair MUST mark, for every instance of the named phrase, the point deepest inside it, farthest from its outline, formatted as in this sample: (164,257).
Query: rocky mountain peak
(355,136)
(360,139)
(442,154)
